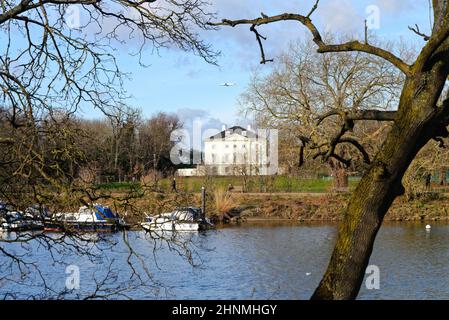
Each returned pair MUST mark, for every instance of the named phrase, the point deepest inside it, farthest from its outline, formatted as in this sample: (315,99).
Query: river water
(251,261)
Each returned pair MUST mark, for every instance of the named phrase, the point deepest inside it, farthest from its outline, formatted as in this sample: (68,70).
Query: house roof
(235,129)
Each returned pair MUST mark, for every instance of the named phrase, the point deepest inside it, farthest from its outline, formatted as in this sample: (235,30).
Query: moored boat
(180,219)
(99,218)
(14,220)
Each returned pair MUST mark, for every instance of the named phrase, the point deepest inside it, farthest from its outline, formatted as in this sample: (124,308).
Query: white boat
(18,221)
(181,219)
(97,218)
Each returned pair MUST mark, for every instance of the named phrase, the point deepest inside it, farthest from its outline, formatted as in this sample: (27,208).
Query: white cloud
(239,44)
(189,115)
(341,17)
(396,6)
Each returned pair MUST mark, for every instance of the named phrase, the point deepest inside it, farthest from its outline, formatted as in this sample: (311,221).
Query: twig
(259,37)
(419,33)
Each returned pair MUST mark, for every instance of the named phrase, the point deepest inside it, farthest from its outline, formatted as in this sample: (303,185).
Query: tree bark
(340,176)
(416,122)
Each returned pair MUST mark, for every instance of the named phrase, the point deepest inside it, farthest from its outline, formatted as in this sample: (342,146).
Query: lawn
(254,184)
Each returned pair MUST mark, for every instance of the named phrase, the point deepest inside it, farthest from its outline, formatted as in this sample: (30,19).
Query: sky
(180,82)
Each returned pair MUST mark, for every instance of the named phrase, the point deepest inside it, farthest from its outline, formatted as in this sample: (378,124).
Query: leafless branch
(378,115)
(259,38)
(418,32)
(359,147)
(322,46)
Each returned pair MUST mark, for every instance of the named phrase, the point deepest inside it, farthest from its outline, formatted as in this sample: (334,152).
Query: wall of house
(187,172)
(235,154)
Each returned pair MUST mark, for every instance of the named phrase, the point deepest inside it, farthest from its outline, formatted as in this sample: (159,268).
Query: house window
(213,158)
(213,146)
(227,146)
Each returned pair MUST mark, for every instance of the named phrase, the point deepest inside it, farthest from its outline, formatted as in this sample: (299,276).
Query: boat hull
(21,226)
(82,226)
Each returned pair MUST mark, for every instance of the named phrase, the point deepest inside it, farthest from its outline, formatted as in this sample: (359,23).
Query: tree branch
(315,6)
(26,5)
(432,46)
(6,140)
(359,147)
(258,38)
(322,46)
(378,115)
(419,33)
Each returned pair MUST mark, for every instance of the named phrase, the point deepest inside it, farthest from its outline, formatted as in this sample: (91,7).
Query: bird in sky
(228,84)
(263,15)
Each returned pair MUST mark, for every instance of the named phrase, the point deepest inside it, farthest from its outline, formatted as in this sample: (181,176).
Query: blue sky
(180,82)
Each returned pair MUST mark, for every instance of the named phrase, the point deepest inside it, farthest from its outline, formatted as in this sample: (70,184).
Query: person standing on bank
(173,185)
(428,179)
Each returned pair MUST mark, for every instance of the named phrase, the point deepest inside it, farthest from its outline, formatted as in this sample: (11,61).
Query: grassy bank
(252,184)
(293,206)
(329,207)
(276,197)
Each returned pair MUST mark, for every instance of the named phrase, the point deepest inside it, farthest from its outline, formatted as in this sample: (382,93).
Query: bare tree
(57,69)
(422,114)
(431,161)
(313,94)
(49,70)
(155,144)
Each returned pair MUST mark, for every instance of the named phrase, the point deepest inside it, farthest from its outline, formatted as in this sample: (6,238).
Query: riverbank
(302,207)
(328,207)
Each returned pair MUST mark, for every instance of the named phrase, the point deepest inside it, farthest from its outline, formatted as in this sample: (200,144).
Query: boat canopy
(186,214)
(38,211)
(103,212)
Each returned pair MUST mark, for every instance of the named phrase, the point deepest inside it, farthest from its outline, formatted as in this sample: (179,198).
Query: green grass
(254,184)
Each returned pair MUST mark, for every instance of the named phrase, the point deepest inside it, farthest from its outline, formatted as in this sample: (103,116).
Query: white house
(235,151)
(187,172)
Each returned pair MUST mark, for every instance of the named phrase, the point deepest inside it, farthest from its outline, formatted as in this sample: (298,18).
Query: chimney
(248,127)
(223,127)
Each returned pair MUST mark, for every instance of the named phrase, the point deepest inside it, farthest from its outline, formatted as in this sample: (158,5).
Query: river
(250,261)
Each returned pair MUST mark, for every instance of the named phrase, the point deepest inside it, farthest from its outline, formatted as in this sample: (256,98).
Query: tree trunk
(415,124)
(340,177)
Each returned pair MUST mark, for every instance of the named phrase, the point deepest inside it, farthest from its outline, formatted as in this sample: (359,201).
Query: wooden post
(366,32)
(203,202)
(154,169)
